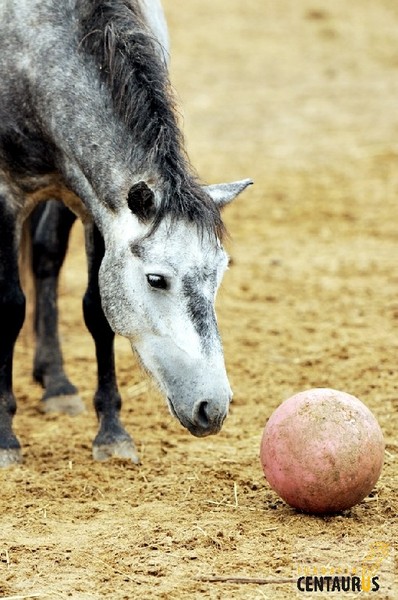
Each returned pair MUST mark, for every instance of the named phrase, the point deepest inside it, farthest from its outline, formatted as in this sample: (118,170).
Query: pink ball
(322,451)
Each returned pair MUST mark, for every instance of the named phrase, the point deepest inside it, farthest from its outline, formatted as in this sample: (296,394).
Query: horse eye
(157,281)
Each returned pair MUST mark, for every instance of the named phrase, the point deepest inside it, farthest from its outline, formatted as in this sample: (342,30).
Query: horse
(89,128)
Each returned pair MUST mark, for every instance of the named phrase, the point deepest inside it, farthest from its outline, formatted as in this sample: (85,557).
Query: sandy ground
(302,97)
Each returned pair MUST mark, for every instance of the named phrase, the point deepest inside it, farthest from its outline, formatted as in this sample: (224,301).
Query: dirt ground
(301,96)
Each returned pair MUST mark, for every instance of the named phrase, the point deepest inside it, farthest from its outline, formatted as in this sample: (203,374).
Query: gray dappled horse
(87,117)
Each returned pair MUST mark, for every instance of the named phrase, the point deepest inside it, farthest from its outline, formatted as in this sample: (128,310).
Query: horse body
(87,117)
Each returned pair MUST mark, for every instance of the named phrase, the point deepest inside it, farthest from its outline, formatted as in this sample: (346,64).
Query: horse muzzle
(197,390)
(205,417)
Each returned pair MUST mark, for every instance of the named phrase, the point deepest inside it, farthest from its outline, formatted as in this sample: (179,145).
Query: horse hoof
(10,456)
(68,404)
(124,449)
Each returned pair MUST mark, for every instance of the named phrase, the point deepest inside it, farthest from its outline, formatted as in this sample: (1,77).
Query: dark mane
(129,61)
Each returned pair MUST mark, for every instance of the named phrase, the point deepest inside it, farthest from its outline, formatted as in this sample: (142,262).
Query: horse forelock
(191,204)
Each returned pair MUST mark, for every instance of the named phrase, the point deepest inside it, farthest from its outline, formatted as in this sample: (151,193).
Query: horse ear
(140,200)
(224,193)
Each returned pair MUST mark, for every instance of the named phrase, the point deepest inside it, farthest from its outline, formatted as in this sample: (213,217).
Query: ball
(322,451)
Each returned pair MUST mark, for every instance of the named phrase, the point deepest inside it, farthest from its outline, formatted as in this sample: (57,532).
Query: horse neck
(98,156)
(106,142)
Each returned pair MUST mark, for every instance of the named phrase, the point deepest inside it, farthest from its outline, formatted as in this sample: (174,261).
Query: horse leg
(12,314)
(51,223)
(112,439)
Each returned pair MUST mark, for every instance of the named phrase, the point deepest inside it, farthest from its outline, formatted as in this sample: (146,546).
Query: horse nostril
(207,417)
(201,416)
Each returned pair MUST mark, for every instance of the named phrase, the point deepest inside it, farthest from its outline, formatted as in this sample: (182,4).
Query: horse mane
(130,64)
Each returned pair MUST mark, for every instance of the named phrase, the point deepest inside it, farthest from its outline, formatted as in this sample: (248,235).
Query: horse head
(158,287)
